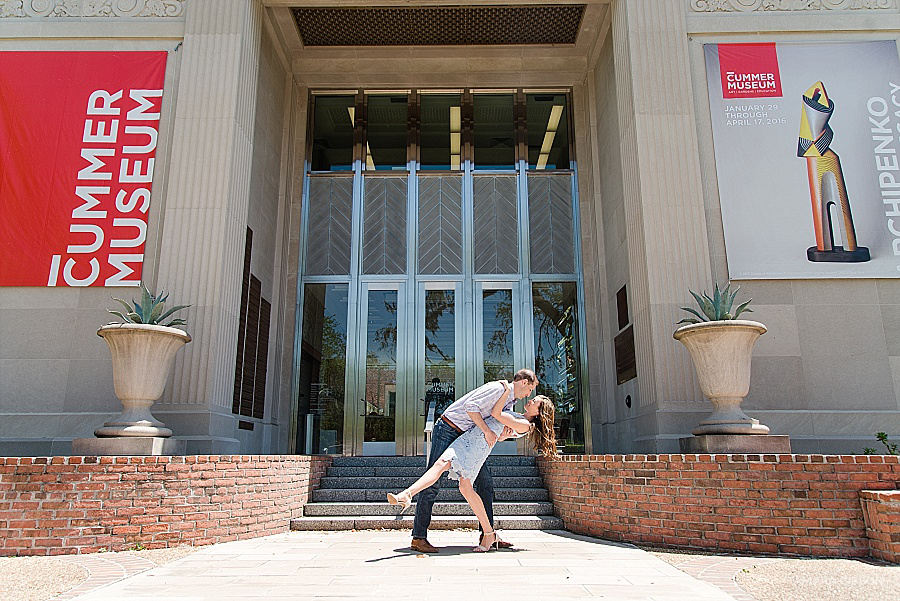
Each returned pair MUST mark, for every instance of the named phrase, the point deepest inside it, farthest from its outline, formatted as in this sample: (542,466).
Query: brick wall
(59,505)
(792,504)
(881,510)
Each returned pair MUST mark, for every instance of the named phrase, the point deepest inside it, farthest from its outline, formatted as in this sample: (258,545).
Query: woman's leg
(465,487)
(428,478)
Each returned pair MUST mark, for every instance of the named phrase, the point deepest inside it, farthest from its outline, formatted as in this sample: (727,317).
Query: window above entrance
(440,131)
(548,131)
(332,146)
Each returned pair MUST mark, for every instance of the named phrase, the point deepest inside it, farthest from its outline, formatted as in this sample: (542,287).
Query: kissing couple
(461,442)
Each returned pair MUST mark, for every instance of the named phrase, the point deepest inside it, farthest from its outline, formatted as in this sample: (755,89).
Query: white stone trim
(91,8)
(745,6)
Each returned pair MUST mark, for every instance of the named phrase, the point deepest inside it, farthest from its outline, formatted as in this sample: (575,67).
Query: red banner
(78,137)
(749,70)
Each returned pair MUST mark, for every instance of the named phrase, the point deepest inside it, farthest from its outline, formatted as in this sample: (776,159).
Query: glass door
(380,385)
(499,340)
(439,353)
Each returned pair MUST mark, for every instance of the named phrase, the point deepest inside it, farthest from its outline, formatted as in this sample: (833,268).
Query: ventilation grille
(440,26)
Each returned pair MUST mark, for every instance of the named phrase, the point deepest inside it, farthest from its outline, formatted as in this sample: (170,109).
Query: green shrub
(716,307)
(149,310)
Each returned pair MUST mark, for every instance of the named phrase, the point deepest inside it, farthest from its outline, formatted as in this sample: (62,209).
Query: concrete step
(454,509)
(378,495)
(416,471)
(405,522)
(399,483)
(341,461)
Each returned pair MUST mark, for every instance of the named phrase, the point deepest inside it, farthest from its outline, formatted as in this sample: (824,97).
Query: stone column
(666,224)
(204,229)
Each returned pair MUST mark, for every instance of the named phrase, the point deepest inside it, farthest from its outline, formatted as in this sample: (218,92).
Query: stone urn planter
(142,356)
(721,353)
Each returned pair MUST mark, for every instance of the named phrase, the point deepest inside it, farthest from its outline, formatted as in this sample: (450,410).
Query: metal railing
(429,428)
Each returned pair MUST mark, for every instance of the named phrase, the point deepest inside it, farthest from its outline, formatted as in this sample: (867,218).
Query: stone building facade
(633,191)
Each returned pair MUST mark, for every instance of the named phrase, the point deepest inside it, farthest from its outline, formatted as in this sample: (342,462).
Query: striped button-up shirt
(481,400)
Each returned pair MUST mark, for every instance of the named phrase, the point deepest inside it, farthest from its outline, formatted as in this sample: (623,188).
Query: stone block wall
(785,504)
(63,505)
(881,510)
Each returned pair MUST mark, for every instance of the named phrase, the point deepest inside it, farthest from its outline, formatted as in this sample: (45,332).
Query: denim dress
(468,452)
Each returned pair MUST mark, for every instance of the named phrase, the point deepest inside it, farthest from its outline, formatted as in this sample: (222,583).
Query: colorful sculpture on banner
(827,189)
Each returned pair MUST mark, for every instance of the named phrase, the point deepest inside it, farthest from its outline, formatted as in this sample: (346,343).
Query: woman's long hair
(541,434)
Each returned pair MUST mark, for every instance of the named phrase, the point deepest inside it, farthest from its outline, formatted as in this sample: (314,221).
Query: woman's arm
(507,419)
(479,422)
(501,402)
(516,423)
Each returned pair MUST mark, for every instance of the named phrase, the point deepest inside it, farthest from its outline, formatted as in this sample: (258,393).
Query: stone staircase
(352,495)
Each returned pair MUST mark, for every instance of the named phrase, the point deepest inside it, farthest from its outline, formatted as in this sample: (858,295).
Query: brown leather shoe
(423,546)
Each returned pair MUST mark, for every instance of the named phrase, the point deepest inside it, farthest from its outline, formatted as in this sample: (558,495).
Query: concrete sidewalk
(544,565)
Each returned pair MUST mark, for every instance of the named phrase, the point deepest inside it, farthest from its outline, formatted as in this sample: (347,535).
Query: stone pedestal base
(736,443)
(128,445)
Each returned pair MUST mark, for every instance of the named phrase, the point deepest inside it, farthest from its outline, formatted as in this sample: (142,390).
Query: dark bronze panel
(440,26)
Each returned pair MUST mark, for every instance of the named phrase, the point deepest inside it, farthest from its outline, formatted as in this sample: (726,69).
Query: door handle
(424,407)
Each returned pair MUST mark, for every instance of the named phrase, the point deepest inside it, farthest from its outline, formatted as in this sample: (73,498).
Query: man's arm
(477,418)
(489,435)
(507,433)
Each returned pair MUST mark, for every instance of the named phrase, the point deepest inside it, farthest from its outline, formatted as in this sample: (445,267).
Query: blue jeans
(442,436)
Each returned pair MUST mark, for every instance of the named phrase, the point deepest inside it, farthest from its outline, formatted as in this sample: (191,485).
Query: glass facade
(548,131)
(443,229)
(323,363)
(333,124)
(440,137)
(494,138)
(556,363)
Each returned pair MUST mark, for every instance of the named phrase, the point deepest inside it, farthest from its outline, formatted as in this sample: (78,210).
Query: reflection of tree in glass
(386,336)
(499,342)
(331,375)
(498,347)
(555,355)
(440,349)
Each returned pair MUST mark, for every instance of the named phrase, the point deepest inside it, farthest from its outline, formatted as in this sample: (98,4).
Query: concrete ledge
(736,443)
(128,445)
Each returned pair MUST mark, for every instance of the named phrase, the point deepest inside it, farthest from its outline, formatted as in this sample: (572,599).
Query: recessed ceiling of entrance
(440,26)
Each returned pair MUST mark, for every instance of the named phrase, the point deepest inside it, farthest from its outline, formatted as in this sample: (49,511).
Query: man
(466,413)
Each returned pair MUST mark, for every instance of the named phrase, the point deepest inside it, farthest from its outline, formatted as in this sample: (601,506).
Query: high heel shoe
(494,544)
(402,499)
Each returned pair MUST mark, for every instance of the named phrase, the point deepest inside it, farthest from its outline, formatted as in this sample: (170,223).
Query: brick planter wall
(881,510)
(791,504)
(59,505)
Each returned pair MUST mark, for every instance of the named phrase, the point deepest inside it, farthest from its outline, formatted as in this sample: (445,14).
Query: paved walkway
(379,565)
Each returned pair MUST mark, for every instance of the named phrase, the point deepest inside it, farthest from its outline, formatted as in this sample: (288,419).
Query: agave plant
(149,310)
(717,307)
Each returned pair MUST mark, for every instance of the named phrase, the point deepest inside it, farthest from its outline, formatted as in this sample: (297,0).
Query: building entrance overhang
(483,43)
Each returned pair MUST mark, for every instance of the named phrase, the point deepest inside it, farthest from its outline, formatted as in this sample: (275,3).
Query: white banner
(806,145)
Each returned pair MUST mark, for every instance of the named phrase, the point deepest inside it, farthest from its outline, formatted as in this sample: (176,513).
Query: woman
(465,456)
